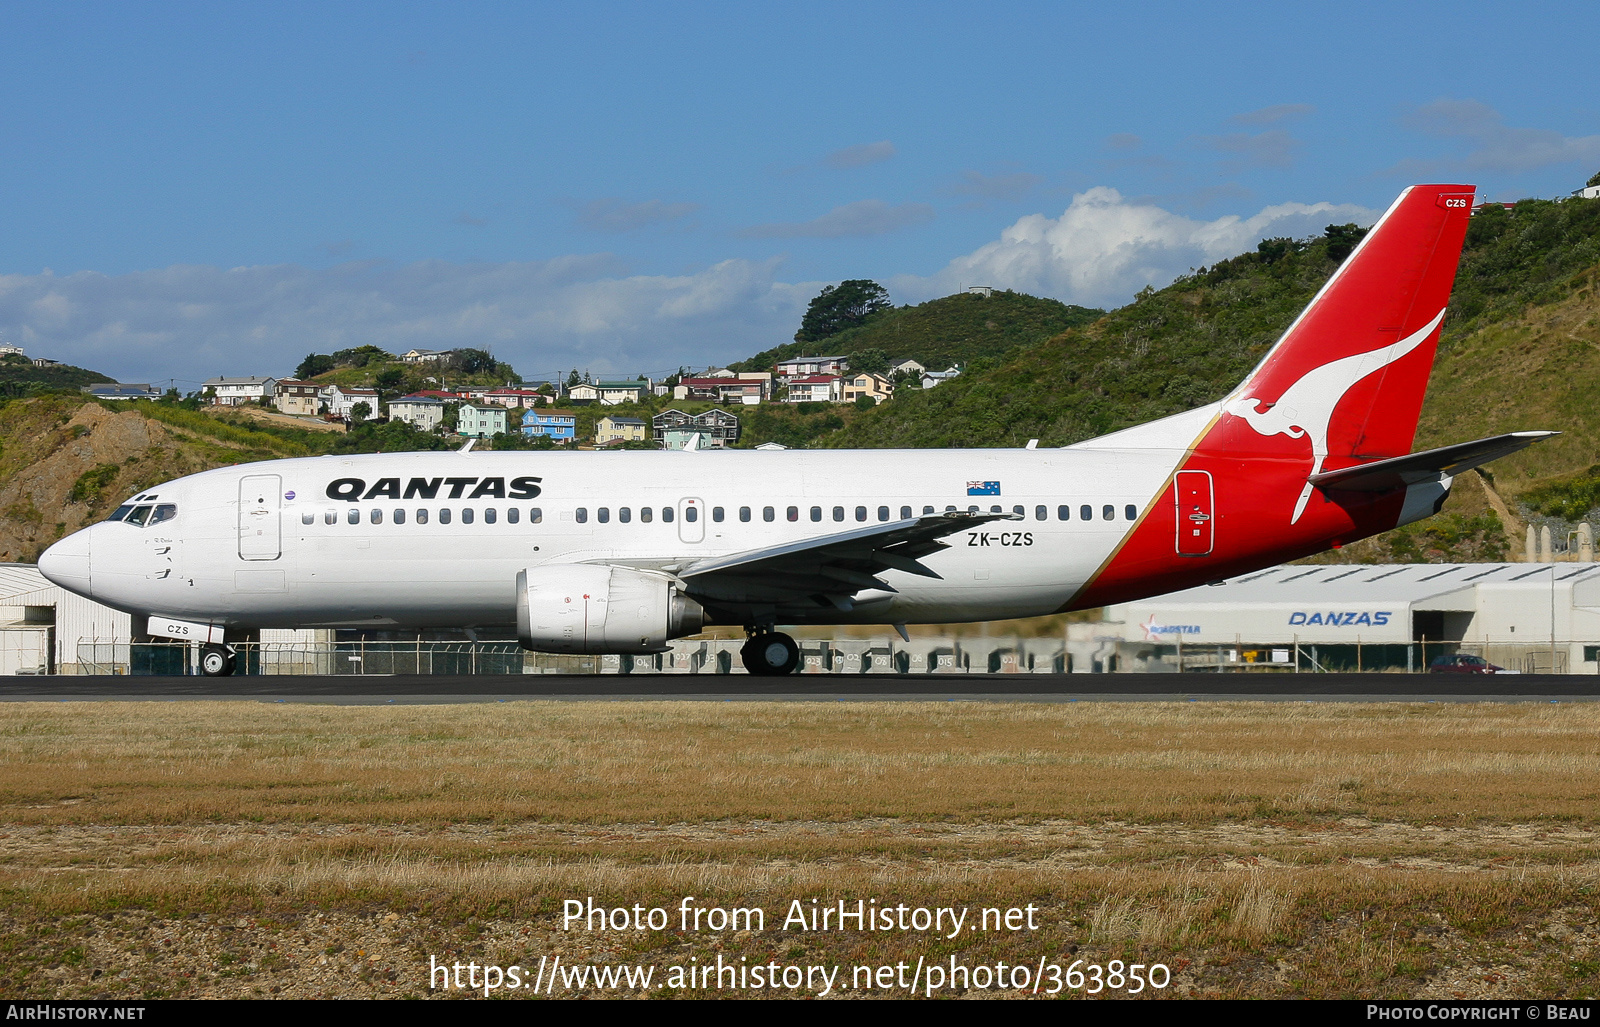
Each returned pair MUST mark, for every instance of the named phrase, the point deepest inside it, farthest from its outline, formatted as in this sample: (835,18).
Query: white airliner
(620,552)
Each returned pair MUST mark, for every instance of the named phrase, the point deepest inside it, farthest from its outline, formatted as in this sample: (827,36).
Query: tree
(472,361)
(837,307)
(1594,179)
(869,360)
(313,365)
(361,356)
(360,410)
(1342,240)
(387,382)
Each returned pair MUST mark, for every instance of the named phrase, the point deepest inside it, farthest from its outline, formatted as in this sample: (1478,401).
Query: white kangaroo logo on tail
(1307,406)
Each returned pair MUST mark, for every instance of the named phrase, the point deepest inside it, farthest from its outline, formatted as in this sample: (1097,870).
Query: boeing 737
(622,552)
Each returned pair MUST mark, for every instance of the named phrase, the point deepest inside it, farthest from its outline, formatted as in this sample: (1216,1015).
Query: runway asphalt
(435,689)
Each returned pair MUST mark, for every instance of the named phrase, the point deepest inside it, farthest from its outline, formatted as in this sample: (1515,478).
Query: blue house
(560,425)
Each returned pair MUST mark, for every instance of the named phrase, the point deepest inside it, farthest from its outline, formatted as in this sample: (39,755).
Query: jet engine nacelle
(587,608)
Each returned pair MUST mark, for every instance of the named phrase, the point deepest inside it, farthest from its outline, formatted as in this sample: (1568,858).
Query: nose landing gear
(769,653)
(216,661)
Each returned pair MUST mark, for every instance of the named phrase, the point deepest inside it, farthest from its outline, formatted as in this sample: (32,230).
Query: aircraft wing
(1401,471)
(832,568)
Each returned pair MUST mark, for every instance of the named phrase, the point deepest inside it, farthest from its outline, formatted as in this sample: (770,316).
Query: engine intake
(591,608)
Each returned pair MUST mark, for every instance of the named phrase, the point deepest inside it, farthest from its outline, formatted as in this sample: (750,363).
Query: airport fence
(947,655)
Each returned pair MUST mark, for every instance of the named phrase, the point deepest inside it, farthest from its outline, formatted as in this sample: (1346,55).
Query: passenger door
(260,497)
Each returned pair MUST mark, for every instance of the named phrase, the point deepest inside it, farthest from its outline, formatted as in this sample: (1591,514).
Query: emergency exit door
(260,496)
(1196,513)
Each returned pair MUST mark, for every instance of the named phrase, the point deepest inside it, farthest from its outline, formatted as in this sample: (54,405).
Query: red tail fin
(1350,373)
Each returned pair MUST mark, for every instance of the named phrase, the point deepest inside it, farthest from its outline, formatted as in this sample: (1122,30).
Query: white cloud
(860,156)
(1495,146)
(612,214)
(193,322)
(1103,248)
(862,218)
(1274,114)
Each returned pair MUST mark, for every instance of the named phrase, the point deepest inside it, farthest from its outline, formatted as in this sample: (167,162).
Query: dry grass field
(1256,849)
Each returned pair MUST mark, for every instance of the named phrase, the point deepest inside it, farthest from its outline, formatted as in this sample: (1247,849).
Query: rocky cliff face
(66,464)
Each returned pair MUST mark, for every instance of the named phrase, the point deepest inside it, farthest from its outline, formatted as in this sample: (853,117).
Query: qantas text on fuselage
(621,552)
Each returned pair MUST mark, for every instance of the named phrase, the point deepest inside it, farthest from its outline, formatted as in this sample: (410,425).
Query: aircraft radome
(620,552)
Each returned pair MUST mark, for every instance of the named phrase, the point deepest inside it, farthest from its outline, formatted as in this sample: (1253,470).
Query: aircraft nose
(67,563)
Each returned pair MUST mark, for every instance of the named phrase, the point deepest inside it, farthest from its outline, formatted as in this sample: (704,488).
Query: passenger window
(1063,513)
(164,512)
(330,517)
(994,509)
(308,517)
(1108,512)
(489,515)
(1019,511)
(139,516)
(375,516)
(861,513)
(927,510)
(1086,512)
(603,515)
(583,515)
(399,515)
(625,514)
(838,513)
(816,513)
(644,514)
(353,516)
(514,515)
(1130,512)
(794,513)
(768,513)
(536,515)
(716,514)
(1041,513)
(422,515)
(691,513)
(951,509)
(883,513)
(972,509)
(466,515)
(744,513)
(905,513)
(444,515)
(666,515)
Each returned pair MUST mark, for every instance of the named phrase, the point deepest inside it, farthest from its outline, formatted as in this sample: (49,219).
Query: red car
(1461,663)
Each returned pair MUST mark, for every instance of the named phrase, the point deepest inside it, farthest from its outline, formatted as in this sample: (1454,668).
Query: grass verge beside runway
(1256,849)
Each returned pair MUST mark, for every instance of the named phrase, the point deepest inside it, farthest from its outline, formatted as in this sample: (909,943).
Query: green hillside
(19,377)
(953,330)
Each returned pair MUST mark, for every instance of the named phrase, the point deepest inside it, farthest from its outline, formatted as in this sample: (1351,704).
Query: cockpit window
(164,512)
(120,512)
(139,515)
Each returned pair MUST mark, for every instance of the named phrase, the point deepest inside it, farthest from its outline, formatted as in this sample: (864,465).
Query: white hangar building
(1506,612)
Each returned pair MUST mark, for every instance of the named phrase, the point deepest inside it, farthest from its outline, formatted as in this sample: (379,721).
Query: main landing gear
(216,661)
(770,653)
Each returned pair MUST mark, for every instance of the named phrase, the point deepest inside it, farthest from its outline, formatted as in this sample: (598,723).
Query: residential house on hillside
(719,427)
(612,393)
(8,350)
(425,356)
(481,420)
(583,395)
(341,401)
(800,367)
(513,399)
(231,392)
(907,365)
(932,378)
(869,383)
(748,388)
(423,413)
(816,388)
(114,390)
(303,399)
(45,362)
(620,429)
(560,425)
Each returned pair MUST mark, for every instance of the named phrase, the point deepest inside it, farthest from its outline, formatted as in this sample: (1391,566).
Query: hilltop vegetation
(952,330)
(19,377)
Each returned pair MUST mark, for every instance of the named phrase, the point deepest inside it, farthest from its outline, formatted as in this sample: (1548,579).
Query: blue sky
(193,189)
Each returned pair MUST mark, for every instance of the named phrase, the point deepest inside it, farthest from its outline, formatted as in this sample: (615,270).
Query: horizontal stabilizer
(1401,471)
